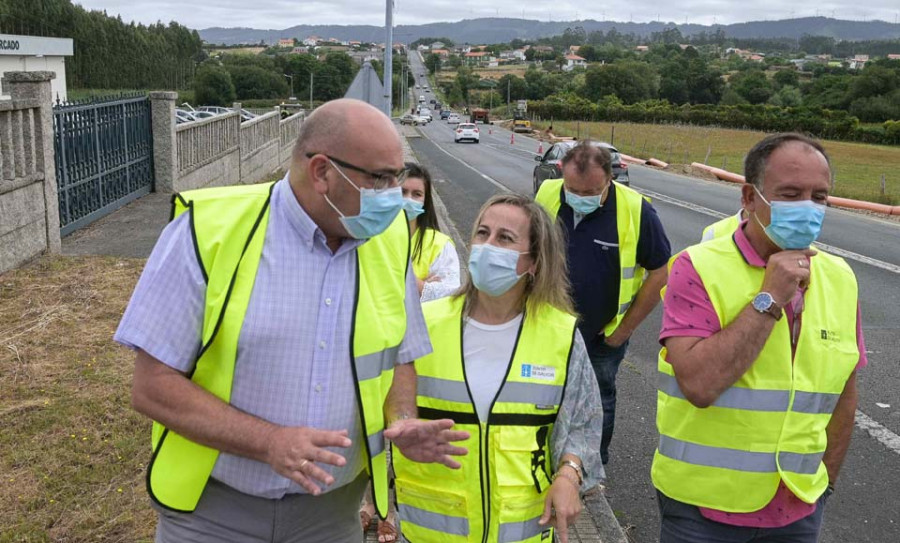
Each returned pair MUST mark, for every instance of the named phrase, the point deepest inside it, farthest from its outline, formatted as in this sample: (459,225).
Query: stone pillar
(165,146)
(35,86)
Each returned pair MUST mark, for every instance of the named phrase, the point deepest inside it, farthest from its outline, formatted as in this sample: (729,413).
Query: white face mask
(377,210)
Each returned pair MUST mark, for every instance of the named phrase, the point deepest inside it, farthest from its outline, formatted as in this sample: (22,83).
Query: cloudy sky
(277,14)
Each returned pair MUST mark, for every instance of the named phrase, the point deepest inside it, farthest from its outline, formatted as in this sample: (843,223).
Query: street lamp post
(388,55)
(291,77)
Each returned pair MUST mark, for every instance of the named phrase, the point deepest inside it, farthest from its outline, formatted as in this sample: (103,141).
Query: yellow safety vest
(498,494)
(724,227)
(228,225)
(628,225)
(432,245)
(770,425)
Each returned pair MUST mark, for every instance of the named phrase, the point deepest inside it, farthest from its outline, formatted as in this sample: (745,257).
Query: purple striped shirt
(293,359)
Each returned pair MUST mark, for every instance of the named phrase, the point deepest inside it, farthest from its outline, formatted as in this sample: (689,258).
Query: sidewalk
(132,232)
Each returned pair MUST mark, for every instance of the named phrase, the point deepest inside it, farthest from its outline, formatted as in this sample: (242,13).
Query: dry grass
(72,451)
(858,167)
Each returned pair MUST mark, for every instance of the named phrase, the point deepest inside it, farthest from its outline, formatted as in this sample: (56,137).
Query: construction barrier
(836,201)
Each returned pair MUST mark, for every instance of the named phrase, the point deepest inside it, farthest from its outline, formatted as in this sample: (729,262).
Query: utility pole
(310,90)
(508,81)
(291,77)
(388,55)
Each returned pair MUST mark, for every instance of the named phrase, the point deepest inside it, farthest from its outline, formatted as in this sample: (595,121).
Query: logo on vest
(829,335)
(545,535)
(544,373)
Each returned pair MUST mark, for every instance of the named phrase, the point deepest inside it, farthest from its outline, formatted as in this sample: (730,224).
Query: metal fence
(104,156)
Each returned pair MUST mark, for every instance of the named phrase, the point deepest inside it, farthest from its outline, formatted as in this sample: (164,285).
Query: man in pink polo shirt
(752,436)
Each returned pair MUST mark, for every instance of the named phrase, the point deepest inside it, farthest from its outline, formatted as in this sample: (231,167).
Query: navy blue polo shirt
(593,255)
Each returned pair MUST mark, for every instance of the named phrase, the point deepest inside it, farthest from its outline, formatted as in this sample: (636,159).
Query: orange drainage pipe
(832,200)
(631,159)
(658,163)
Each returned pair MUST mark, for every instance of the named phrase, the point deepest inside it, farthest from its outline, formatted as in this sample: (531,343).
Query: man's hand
(294,451)
(787,271)
(428,440)
(562,506)
(616,339)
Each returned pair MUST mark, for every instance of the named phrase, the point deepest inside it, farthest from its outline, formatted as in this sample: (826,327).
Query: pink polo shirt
(688,311)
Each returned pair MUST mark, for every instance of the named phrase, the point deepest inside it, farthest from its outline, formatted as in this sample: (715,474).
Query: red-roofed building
(574,61)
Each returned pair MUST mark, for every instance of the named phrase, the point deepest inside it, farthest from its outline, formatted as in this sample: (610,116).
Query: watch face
(763,301)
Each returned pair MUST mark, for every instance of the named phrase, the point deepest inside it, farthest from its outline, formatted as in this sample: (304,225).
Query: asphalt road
(866,506)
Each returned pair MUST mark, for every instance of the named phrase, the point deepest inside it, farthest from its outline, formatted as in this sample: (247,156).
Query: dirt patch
(72,451)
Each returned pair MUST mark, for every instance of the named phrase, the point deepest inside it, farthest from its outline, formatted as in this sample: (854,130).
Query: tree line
(109,53)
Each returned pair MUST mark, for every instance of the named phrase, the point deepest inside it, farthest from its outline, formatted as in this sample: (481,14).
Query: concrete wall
(219,150)
(29,205)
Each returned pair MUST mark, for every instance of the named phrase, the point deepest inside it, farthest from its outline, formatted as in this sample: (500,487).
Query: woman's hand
(563,503)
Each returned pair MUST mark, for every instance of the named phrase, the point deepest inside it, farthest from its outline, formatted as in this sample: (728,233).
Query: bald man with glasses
(274,325)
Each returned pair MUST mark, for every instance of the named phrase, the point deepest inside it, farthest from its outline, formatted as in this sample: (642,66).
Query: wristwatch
(765,303)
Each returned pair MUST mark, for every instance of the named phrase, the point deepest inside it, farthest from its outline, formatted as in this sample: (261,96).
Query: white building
(574,61)
(35,54)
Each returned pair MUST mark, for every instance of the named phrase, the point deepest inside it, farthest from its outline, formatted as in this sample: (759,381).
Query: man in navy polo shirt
(614,235)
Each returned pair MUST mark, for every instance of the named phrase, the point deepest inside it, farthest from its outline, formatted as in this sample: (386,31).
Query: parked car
(466,131)
(203,114)
(218,110)
(183,116)
(550,164)
(409,118)
(453,118)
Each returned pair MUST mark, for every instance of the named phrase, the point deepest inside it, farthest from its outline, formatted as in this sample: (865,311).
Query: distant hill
(502,30)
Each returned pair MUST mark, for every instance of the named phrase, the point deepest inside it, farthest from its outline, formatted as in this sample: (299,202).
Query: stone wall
(29,205)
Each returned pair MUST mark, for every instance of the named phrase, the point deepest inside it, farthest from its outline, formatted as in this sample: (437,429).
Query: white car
(453,118)
(466,131)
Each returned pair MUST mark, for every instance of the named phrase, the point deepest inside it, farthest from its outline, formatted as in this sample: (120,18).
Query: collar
(305,228)
(746,248)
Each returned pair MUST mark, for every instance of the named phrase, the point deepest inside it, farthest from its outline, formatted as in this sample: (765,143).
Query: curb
(596,504)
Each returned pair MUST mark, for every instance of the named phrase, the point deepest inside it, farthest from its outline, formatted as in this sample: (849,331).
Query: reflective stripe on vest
(508,454)
(760,400)
(770,425)
(628,227)
(434,521)
(228,225)
(720,457)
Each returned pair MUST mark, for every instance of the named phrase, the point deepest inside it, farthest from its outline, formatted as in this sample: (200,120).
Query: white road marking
(887,438)
(496,183)
(893,268)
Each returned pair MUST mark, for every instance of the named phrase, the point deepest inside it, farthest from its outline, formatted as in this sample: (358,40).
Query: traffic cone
(540,147)
(512,138)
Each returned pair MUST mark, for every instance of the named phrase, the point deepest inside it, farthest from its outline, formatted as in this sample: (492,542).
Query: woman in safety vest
(510,367)
(436,266)
(433,255)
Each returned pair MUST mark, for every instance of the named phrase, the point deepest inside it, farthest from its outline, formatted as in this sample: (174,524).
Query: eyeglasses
(380,181)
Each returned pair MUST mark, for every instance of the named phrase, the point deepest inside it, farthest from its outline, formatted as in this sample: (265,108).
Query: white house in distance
(574,61)
(35,54)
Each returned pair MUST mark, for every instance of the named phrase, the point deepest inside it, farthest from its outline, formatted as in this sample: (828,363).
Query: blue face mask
(793,225)
(493,269)
(585,204)
(376,210)
(413,208)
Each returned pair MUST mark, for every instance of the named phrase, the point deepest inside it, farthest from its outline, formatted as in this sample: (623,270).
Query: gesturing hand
(428,440)
(562,507)
(294,451)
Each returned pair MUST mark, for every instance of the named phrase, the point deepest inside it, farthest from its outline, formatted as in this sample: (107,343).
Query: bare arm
(707,367)
(401,399)
(169,397)
(646,299)
(840,429)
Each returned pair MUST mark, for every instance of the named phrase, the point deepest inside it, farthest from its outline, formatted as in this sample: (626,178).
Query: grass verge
(72,451)
(857,167)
